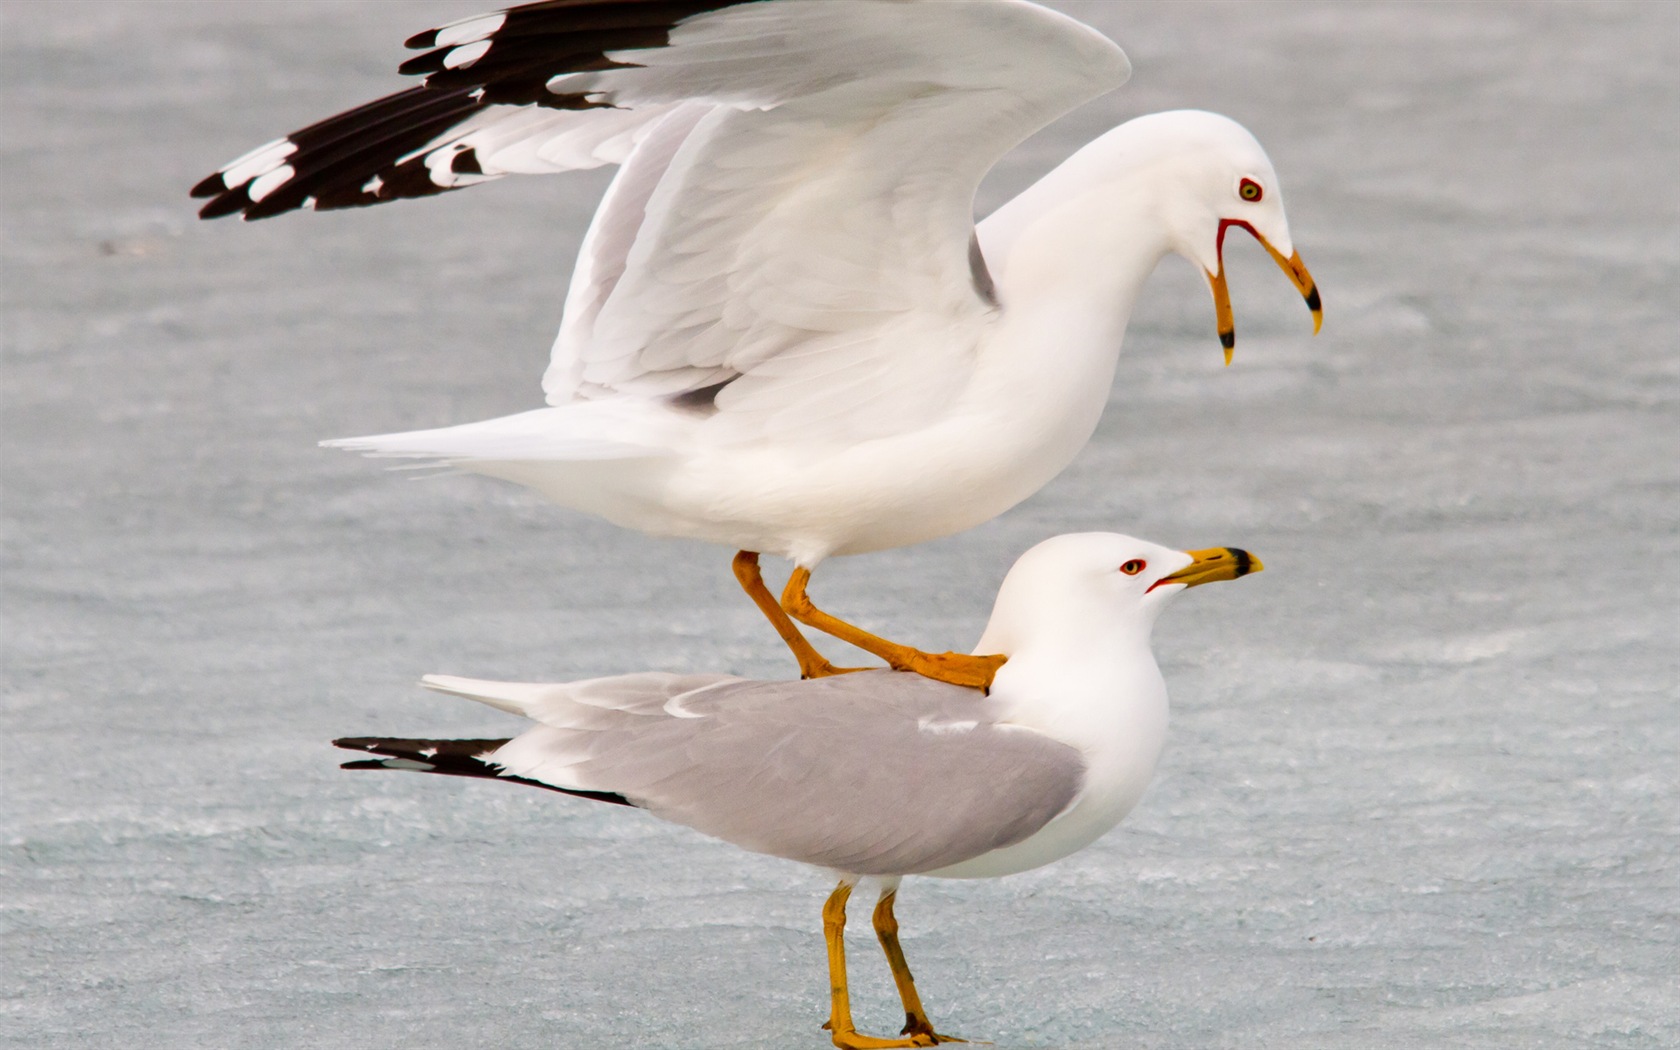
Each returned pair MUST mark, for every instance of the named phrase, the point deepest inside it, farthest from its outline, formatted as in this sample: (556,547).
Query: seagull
(878,775)
(785,332)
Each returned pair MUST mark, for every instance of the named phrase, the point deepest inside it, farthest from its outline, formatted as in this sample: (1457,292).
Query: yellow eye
(1249,190)
(1133,567)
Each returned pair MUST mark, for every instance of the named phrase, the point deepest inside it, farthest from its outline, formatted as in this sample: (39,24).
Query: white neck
(1112,698)
(1068,235)
(1077,669)
(1068,267)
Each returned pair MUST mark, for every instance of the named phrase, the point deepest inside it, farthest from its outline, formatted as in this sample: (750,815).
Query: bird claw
(921,1028)
(824,669)
(854,1040)
(975,672)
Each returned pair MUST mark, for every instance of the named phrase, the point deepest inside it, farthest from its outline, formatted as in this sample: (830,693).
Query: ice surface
(1421,789)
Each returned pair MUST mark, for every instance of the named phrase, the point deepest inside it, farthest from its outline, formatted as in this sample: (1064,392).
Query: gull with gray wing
(879,774)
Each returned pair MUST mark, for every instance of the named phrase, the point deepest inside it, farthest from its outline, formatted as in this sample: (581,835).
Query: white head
(1097,591)
(1205,169)
(1213,176)
(1186,177)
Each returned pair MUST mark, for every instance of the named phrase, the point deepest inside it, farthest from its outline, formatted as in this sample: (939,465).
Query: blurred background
(1420,787)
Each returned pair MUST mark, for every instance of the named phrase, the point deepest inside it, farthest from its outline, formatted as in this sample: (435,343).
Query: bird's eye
(1133,567)
(1249,190)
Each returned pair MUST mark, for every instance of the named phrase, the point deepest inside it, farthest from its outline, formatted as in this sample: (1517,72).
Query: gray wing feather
(878,773)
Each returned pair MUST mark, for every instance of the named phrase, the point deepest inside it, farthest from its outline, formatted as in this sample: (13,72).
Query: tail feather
(591,430)
(455,758)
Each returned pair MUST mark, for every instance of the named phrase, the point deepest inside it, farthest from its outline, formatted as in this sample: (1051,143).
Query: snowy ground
(1421,788)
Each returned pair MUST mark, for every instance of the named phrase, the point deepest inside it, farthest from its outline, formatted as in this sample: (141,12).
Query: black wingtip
(511,58)
(269,207)
(430,62)
(455,758)
(227,204)
(209,186)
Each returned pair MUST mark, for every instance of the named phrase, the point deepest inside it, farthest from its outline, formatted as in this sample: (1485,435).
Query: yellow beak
(1293,266)
(1215,563)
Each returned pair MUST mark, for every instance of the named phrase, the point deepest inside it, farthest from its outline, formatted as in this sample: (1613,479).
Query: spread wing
(793,220)
(876,773)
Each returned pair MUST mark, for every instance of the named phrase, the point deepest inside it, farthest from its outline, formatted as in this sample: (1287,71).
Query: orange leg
(916,1022)
(812,664)
(957,668)
(839,1023)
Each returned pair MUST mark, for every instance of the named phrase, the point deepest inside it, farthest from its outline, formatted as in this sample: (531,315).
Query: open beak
(1216,563)
(1293,266)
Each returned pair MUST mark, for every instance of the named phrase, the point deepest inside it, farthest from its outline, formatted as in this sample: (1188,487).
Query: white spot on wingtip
(253,154)
(462,57)
(469,30)
(270,182)
(373,185)
(427,752)
(259,161)
(437,164)
(309,202)
(576,84)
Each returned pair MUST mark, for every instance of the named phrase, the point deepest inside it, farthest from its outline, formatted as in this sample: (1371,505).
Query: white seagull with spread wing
(785,332)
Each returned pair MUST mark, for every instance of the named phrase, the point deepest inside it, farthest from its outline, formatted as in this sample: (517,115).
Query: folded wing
(870,773)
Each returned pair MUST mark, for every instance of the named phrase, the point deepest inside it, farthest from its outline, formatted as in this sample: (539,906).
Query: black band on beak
(1245,561)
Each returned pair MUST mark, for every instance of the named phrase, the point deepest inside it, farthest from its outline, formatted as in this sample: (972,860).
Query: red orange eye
(1249,190)
(1133,567)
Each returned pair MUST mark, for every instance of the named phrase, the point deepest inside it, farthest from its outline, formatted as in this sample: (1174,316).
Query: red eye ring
(1249,190)
(1133,567)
